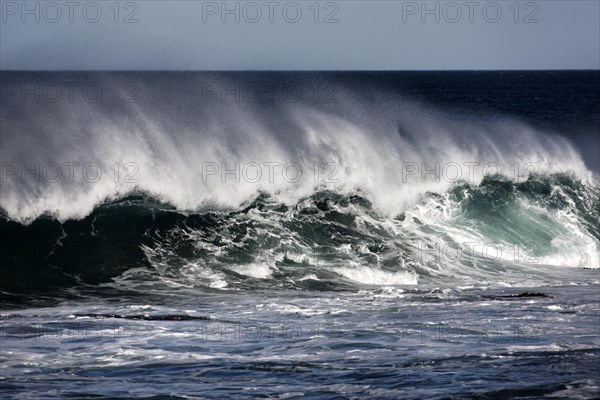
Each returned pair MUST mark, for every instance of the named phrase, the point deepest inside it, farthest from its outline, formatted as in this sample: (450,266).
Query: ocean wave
(229,195)
(499,230)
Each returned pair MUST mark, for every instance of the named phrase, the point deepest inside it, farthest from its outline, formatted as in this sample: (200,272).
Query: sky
(299,35)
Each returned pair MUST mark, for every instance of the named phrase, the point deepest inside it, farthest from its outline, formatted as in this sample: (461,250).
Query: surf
(373,188)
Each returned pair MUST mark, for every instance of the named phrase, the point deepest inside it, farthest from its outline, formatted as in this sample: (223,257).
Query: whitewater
(299,234)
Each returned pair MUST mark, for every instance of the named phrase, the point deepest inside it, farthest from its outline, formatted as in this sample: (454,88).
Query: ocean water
(301,234)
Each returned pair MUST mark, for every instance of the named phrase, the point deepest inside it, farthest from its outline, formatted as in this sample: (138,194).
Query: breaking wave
(186,192)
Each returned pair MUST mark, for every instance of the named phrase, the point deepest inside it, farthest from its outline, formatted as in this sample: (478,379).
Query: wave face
(305,181)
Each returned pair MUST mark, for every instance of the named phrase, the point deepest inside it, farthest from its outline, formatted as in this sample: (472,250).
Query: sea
(300,234)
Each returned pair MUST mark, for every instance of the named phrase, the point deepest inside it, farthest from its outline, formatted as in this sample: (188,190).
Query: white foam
(254,270)
(372,276)
(171,163)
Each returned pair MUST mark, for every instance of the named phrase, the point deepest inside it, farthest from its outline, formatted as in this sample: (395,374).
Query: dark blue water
(285,235)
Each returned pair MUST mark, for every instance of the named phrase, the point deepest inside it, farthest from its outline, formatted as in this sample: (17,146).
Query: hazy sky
(350,34)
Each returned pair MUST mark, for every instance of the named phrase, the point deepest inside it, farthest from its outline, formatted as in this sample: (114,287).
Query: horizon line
(300,70)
